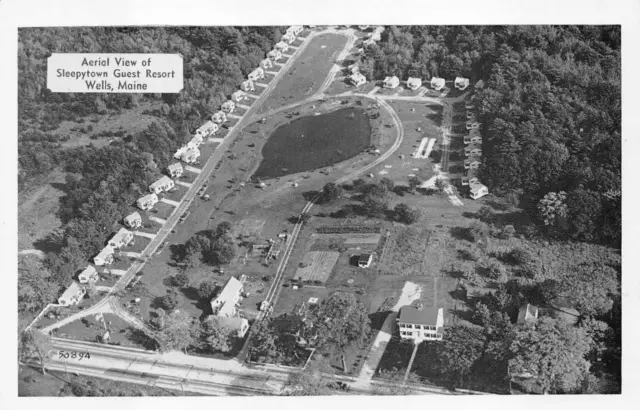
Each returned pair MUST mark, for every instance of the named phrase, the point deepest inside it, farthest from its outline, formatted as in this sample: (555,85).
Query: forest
(550,111)
(102,182)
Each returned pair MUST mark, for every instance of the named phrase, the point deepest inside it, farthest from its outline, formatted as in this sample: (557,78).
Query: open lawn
(90,329)
(308,73)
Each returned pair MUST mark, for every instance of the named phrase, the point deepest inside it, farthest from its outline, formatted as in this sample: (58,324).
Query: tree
(414,182)
(317,379)
(263,345)
(178,331)
(340,321)
(169,300)
(494,270)
(223,249)
(459,350)
(34,343)
(180,280)
(485,213)
(552,351)
(216,337)
(552,208)
(374,206)
(406,214)
(387,183)
(206,290)
(377,190)
(35,289)
(591,288)
(223,228)
(520,256)
(478,231)
(330,192)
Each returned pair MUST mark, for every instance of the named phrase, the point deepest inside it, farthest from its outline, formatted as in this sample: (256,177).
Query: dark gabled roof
(364,257)
(410,314)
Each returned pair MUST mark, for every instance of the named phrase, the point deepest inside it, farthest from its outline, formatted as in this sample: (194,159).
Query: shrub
(170,300)
(180,280)
(206,290)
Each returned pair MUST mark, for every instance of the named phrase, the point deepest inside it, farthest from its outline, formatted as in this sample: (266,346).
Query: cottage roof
(437,80)
(527,313)
(426,316)
(88,271)
(461,80)
(365,257)
(105,252)
(164,180)
(477,187)
(191,151)
(71,291)
(206,126)
(120,235)
(414,80)
(231,289)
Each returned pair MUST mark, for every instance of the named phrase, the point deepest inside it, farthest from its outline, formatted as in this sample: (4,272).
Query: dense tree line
(102,183)
(550,109)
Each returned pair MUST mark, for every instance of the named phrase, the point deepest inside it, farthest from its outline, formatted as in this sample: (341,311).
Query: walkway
(169,202)
(144,234)
(158,220)
(183,183)
(192,169)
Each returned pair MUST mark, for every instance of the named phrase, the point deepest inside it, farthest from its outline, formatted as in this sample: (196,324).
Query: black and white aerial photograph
(296,209)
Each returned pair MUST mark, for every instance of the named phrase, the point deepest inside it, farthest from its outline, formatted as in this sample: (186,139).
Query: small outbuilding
(527,314)
(391,82)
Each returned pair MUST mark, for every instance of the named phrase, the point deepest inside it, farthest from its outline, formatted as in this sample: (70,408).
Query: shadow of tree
(461,233)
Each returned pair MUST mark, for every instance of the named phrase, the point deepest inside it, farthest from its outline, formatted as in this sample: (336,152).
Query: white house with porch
(358,79)
(163,184)
(420,324)
(72,296)
(225,303)
(89,274)
(391,82)
(219,117)
(461,83)
(207,129)
(133,220)
(283,46)
(228,106)
(122,238)
(274,55)
(105,257)
(239,96)
(147,202)
(257,74)
(437,83)
(413,83)
(191,155)
(247,85)
(478,190)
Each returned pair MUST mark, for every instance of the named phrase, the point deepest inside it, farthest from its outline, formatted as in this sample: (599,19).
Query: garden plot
(316,266)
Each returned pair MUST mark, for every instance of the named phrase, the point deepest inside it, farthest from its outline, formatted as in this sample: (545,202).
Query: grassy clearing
(308,73)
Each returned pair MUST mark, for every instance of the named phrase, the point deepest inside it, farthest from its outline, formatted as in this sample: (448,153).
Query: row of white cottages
(473,152)
(189,154)
(413,83)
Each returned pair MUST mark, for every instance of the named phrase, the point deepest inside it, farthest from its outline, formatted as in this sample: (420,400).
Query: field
(308,73)
(314,142)
(316,266)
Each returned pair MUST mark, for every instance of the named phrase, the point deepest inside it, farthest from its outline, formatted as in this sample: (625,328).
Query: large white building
(421,324)
(225,303)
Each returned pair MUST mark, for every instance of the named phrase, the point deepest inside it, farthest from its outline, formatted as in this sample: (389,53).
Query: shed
(478,190)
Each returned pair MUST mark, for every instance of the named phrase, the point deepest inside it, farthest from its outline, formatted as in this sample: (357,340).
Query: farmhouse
(105,257)
(437,83)
(471,163)
(238,324)
(256,74)
(274,55)
(219,117)
(391,82)
(225,303)
(122,238)
(72,295)
(164,184)
(289,38)
(133,220)
(247,85)
(527,314)
(461,83)
(147,201)
(478,190)
(358,79)
(239,96)
(364,261)
(89,274)
(228,106)
(282,46)
(413,83)
(207,129)
(294,30)
(419,324)
(191,155)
